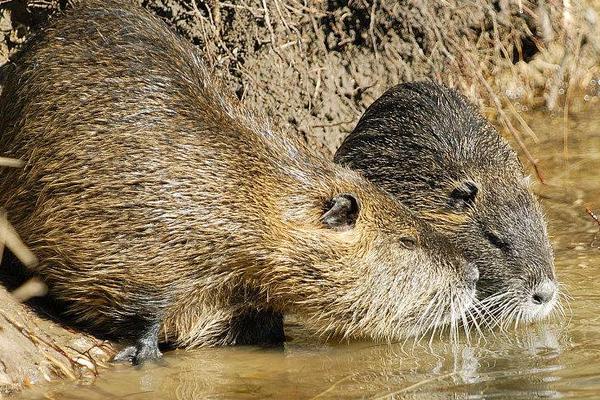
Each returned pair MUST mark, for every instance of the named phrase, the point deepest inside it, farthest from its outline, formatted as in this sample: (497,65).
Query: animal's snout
(544,292)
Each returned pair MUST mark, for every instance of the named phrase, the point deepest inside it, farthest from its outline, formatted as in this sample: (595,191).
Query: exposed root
(67,370)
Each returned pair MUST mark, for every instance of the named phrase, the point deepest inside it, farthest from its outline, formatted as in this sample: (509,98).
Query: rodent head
(511,247)
(357,263)
(429,147)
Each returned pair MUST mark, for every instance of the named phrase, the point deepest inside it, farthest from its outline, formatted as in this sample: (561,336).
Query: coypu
(430,147)
(159,207)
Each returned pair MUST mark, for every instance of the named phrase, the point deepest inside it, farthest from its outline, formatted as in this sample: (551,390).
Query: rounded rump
(156,202)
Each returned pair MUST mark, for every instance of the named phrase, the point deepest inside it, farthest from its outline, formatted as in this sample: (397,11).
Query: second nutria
(162,210)
(429,147)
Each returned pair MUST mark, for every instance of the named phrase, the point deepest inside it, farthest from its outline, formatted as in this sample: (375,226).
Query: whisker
(434,327)
(517,316)
(509,311)
(427,320)
(427,315)
(437,321)
(465,324)
(485,316)
(476,324)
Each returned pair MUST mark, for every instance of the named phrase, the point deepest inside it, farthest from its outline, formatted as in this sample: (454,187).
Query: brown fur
(156,202)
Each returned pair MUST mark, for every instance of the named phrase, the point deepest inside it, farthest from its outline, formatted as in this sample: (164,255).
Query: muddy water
(556,359)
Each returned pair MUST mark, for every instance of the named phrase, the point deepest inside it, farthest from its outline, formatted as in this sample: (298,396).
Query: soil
(313,67)
(338,56)
(34,349)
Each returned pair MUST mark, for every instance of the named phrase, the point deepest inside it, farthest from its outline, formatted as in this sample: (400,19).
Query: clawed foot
(144,349)
(137,354)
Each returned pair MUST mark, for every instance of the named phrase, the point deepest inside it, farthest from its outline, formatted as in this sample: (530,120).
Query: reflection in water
(519,363)
(555,359)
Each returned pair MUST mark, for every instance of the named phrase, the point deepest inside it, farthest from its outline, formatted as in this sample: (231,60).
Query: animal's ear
(463,195)
(340,212)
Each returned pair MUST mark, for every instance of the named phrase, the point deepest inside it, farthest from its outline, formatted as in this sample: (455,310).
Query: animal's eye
(408,242)
(496,241)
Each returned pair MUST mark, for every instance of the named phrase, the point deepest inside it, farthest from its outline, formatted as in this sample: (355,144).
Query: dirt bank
(35,350)
(314,67)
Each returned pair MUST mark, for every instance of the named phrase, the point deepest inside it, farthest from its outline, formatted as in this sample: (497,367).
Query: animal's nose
(544,292)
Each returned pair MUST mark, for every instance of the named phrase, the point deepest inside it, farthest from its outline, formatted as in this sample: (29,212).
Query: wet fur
(421,141)
(161,209)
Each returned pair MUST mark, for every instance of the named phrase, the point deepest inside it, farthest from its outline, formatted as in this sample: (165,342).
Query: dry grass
(339,56)
(314,66)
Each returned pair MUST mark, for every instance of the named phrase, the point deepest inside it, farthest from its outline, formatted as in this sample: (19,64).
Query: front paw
(138,354)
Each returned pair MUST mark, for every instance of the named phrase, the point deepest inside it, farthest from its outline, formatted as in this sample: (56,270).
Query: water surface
(556,359)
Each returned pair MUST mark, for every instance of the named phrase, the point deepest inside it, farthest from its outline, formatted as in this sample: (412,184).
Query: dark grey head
(428,146)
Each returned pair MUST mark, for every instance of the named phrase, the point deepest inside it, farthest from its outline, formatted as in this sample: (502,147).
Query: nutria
(161,209)
(431,148)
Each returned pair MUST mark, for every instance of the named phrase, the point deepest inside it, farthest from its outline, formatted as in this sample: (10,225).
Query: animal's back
(157,204)
(115,158)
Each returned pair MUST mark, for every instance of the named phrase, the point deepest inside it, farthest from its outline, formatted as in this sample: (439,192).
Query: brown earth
(35,350)
(314,66)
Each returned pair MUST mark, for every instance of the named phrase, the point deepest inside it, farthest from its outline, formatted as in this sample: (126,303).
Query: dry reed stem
(502,115)
(594,216)
(10,239)
(33,287)
(11,162)
(333,385)
(597,220)
(519,118)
